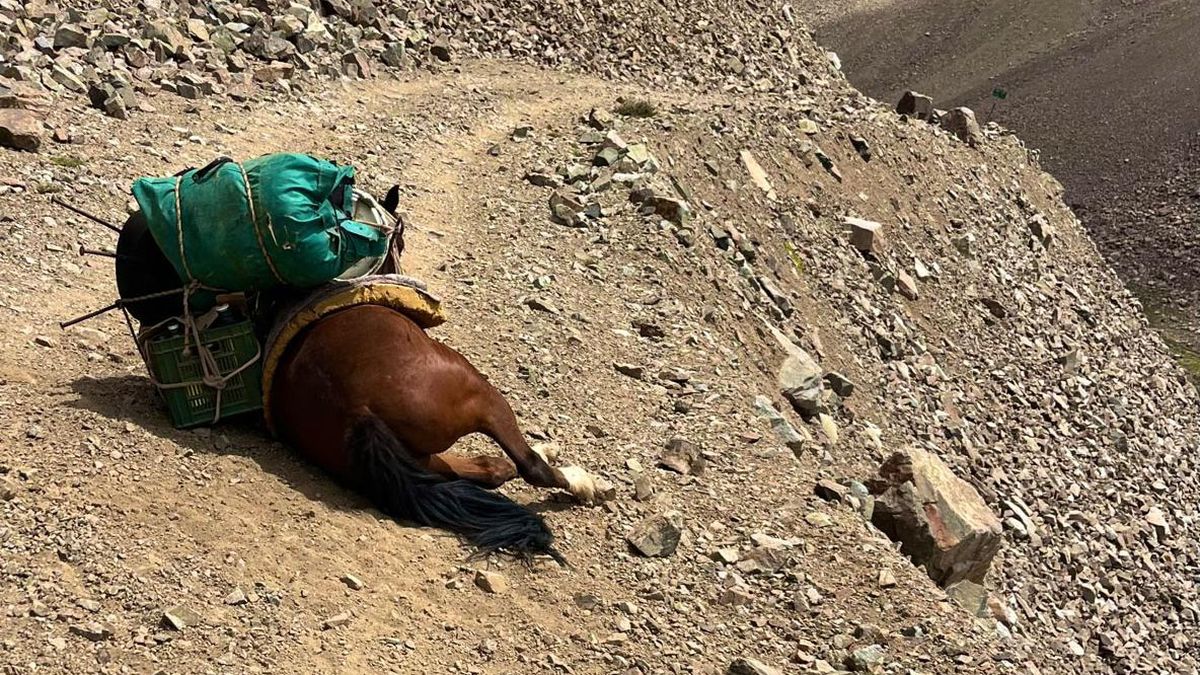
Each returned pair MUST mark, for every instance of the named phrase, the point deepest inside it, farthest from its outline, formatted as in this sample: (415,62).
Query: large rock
(940,520)
(69,35)
(20,129)
(961,122)
(799,377)
(14,94)
(800,382)
(865,235)
(915,105)
(165,32)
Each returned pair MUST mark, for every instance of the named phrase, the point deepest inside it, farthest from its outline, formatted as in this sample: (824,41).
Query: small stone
(643,488)
(865,658)
(93,630)
(818,519)
(630,370)
(830,491)
(491,582)
(800,382)
(164,32)
(69,35)
(757,174)
(972,596)
(839,384)
(887,579)
(236,597)
(180,617)
(906,285)
(353,582)
(748,666)
(336,621)
(682,457)
(783,429)
(735,596)
(725,556)
(88,604)
(441,50)
(606,156)
(763,559)
(658,535)
(198,29)
(356,65)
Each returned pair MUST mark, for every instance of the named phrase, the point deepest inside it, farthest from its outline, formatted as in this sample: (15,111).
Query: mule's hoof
(548,451)
(585,487)
(580,483)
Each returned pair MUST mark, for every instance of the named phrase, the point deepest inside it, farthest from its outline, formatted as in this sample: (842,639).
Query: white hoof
(580,484)
(548,451)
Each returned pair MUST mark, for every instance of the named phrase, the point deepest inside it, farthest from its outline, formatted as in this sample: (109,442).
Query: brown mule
(367,395)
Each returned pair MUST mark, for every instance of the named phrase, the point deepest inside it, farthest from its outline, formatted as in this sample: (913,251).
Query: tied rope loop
(210,370)
(258,235)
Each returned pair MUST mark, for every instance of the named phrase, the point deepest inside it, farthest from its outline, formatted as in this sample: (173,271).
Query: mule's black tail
(385,472)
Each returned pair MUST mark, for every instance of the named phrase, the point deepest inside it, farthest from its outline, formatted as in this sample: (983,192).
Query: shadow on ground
(133,399)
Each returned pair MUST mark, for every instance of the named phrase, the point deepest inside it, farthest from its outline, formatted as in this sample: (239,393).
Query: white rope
(262,246)
(210,370)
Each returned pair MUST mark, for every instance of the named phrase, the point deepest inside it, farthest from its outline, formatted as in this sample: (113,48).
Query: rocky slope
(1105,90)
(631,305)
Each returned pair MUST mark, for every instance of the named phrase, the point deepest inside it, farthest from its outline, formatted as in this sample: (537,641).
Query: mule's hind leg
(487,471)
(501,426)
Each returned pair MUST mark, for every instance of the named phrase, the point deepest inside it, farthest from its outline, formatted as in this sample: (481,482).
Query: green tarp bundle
(278,220)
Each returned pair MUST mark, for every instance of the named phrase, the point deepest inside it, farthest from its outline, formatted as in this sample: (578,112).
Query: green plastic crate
(232,346)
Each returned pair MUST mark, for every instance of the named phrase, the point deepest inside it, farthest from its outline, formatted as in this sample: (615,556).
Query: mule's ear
(392,200)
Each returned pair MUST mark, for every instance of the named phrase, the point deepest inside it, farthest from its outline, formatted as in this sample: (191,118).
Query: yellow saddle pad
(403,294)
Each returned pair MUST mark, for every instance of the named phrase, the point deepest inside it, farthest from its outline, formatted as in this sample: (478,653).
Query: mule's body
(368,396)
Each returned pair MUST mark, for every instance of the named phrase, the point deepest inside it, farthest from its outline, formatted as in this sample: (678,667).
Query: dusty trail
(212,513)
